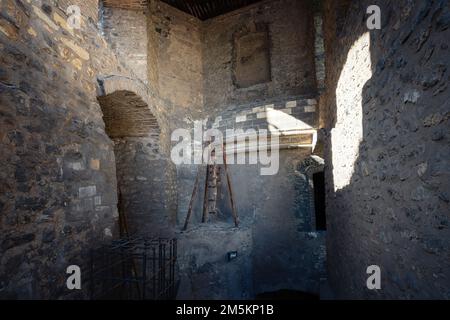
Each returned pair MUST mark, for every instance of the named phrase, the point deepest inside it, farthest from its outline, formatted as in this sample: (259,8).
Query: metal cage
(134,269)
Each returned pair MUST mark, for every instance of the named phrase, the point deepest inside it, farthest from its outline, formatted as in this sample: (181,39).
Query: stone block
(82,53)
(258,109)
(310,109)
(311,102)
(94,164)
(77,166)
(98,200)
(261,115)
(291,104)
(8,29)
(41,15)
(85,192)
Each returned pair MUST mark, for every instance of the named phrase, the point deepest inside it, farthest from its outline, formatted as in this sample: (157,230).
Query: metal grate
(134,269)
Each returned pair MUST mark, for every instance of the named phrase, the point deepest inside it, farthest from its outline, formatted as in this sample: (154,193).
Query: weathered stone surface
(58,196)
(389,210)
(87,113)
(126,32)
(175,60)
(291,68)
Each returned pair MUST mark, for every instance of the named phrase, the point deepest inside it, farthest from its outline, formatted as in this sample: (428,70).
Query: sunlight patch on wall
(280,121)
(284,125)
(348,132)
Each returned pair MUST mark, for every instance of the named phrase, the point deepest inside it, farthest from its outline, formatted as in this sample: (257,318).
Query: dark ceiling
(206,9)
(202,9)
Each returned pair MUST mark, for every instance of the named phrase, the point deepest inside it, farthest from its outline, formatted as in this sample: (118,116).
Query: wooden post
(191,203)
(205,197)
(230,190)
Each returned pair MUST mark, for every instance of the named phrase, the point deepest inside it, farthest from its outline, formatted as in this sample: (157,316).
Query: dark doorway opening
(319,200)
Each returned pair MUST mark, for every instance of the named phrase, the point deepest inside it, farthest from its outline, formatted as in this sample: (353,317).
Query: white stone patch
(108,232)
(98,200)
(242,118)
(311,101)
(85,192)
(140,178)
(258,109)
(287,110)
(422,169)
(412,96)
(77,166)
(261,115)
(291,104)
(310,109)
(312,235)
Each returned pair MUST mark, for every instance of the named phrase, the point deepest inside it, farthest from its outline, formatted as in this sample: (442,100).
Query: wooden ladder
(213,183)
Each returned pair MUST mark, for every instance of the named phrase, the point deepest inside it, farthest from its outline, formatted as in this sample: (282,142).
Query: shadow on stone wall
(393,211)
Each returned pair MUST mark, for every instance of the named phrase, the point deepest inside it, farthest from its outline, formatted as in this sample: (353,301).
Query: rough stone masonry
(86,118)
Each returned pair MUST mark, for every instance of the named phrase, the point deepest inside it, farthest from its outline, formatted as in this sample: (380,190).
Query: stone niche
(251,58)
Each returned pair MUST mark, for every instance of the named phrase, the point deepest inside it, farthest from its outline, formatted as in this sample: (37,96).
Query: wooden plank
(194,192)
(230,191)
(205,198)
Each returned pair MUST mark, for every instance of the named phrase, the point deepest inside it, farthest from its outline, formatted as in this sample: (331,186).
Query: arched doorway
(313,168)
(135,132)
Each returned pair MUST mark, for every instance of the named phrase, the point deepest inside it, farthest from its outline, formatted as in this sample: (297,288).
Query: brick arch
(132,122)
(127,99)
(127,115)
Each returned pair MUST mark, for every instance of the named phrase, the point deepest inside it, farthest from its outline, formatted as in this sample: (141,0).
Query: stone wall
(175,61)
(277,243)
(288,26)
(386,116)
(194,65)
(298,115)
(275,211)
(287,251)
(205,270)
(58,193)
(126,32)
(142,186)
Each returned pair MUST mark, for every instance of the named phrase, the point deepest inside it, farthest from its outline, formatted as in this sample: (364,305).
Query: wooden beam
(230,190)
(205,198)
(191,203)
